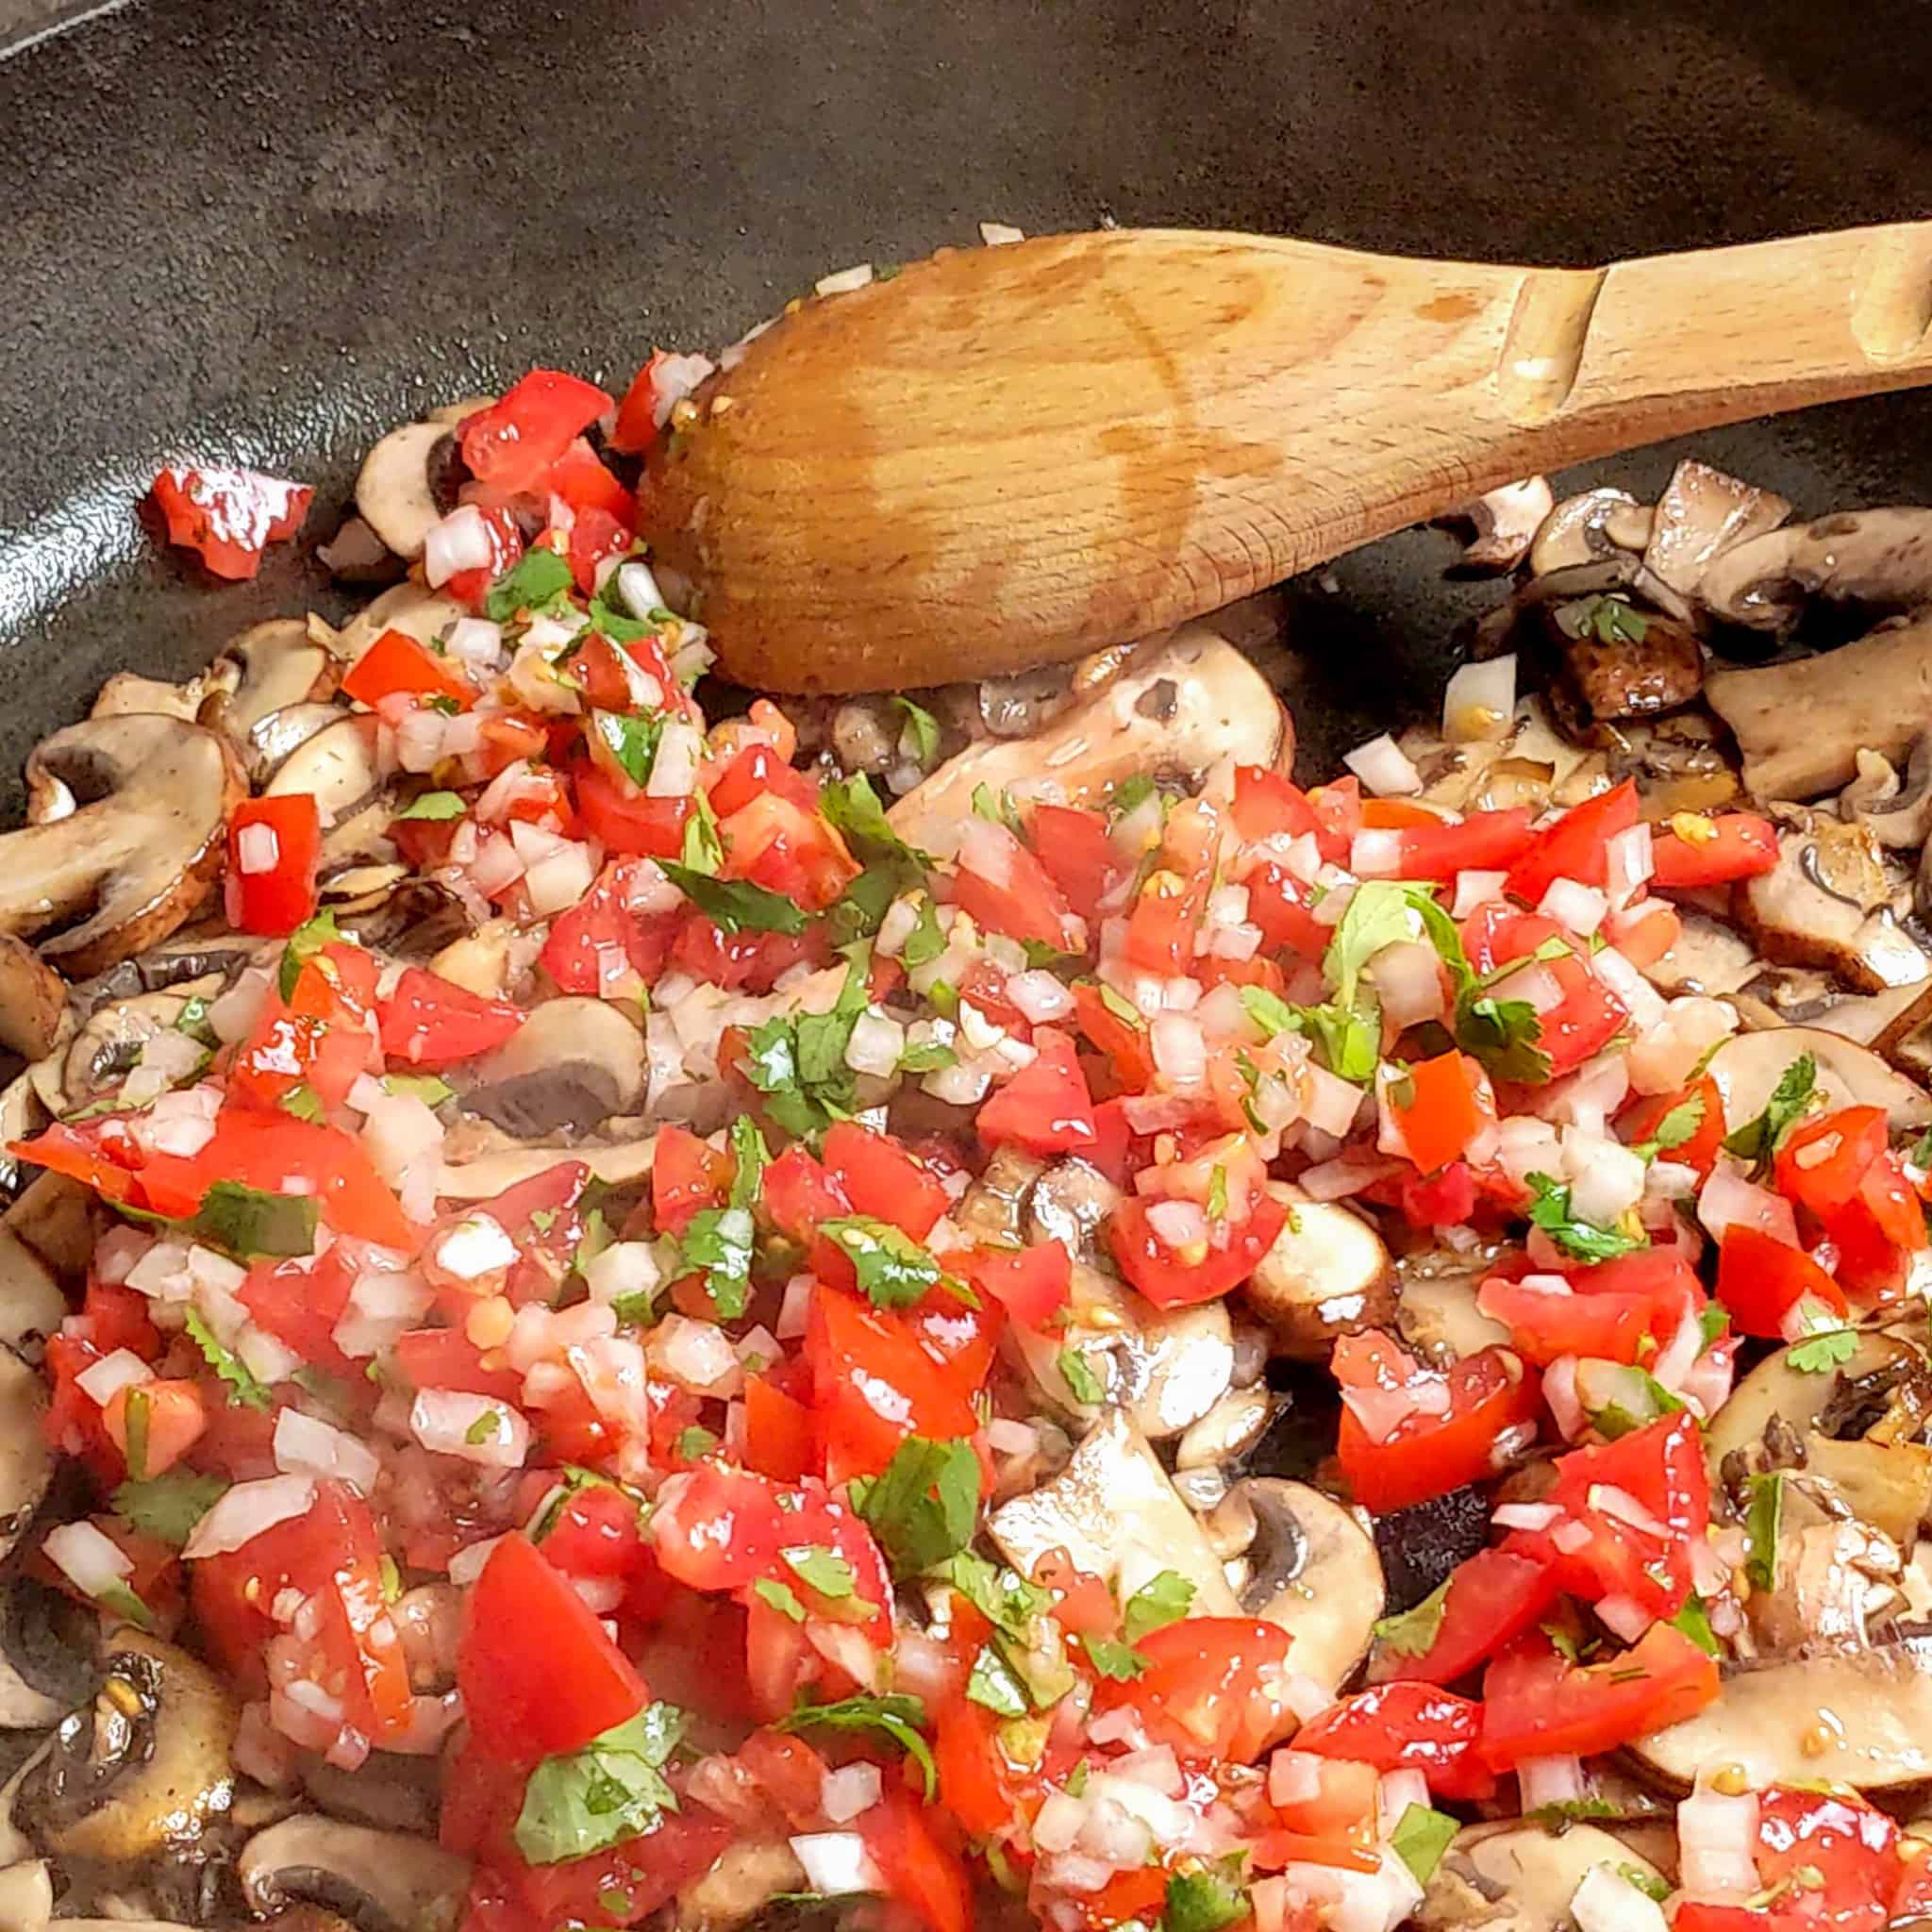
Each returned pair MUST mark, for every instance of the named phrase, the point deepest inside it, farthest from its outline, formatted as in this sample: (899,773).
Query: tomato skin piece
(777,1432)
(527,1699)
(1214,1687)
(1126,1042)
(1171,1280)
(1742,846)
(1045,1108)
(514,441)
(1427,1455)
(431,1022)
(1492,1598)
(1484,841)
(1641,1121)
(228,517)
(1406,1726)
(880,1178)
(396,662)
(919,1873)
(280,896)
(1536,1703)
(1760,1279)
(1576,846)
(1821,1162)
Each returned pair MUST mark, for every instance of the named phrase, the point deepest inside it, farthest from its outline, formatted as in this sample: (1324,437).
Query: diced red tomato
(1760,1279)
(432,1022)
(637,421)
(1644,1121)
(880,1178)
(798,1193)
(1171,1278)
(1267,805)
(1576,846)
(1823,1161)
(1215,1688)
(154,1424)
(1536,1703)
(788,849)
(1731,845)
(1588,1014)
(1338,808)
(318,1038)
(1032,1284)
(395,662)
(1841,1838)
(1446,1110)
(529,1700)
(1425,1454)
(777,1432)
(1109,1030)
(1406,1726)
(1021,901)
(1444,1200)
(1073,847)
(300,1304)
(1616,1311)
(1440,848)
(1045,1108)
(630,821)
(447,1359)
(513,444)
(228,517)
(600,937)
(275,848)
(600,504)
(920,1872)
(1489,1598)
(687,1174)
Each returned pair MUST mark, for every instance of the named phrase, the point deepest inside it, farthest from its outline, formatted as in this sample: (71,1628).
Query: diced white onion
(674,769)
(843,281)
(1728,1198)
(1335,1180)
(256,848)
(1329,1103)
(445,1420)
(1474,889)
(1408,977)
(103,1380)
(1375,854)
(698,1356)
(243,1512)
(467,1564)
(835,1863)
(1643,1001)
(460,541)
(1717,1837)
(557,882)
(1383,768)
(1524,1515)
(1479,701)
(1177,1223)
(89,1559)
(305,1445)
(1580,908)
(1039,996)
(877,1042)
(1670,1051)
(1606,1901)
(847,1791)
(624,1268)
(1631,861)
(1179,1052)
(1605,1179)
(1625,1619)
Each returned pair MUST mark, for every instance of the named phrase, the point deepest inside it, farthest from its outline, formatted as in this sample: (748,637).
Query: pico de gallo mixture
(680,1498)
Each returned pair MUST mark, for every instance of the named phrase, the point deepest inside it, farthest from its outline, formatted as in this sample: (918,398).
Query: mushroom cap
(1314,1570)
(271,666)
(1327,1274)
(1881,558)
(383,1881)
(1702,512)
(571,1065)
(1749,1065)
(395,490)
(1174,709)
(1518,1877)
(417,613)
(138,852)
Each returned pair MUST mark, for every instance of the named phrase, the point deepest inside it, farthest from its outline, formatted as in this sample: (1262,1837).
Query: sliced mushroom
(1177,709)
(1828,903)
(746,1876)
(481,962)
(26,1463)
(1608,660)
(275,667)
(1518,1877)
(390,1792)
(1897,812)
(26,1896)
(128,691)
(1878,557)
(136,855)
(417,613)
(1588,528)
(382,1881)
(1436,1311)
(144,1770)
(1069,1204)
(1862,1719)
(572,1064)
(1227,1431)
(1831,1582)
(1312,1569)
(32,1302)
(1801,724)
(481,1175)
(111,1042)
(397,488)
(1701,512)
(55,1217)
(1165,1367)
(33,1000)
(282,733)
(1327,1274)
(1504,523)
(1112,1509)
(1748,1066)
(1881,1392)
(336,765)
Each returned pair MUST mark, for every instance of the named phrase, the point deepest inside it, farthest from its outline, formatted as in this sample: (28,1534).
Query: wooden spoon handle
(1009,456)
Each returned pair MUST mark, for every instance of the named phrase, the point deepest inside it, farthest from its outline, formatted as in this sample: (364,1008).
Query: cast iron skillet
(268,230)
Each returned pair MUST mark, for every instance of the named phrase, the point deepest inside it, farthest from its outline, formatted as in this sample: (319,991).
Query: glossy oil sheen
(266,231)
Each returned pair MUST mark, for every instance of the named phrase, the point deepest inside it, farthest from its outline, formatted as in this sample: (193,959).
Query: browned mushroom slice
(271,667)
(130,691)
(1505,522)
(1709,956)
(1518,1877)
(1612,660)
(1882,1391)
(1113,1509)
(1801,726)
(478,1174)
(402,487)
(1828,903)
(572,1064)
(1749,1065)
(1878,557)
(419,614)
(1327,1274)
(1863,1719)
(1701,512)
(33,1000)
(381,1881)
(136,854)
(1588,528)
(1174,711)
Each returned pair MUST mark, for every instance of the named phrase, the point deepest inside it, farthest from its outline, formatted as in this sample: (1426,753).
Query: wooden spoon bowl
(1011,456)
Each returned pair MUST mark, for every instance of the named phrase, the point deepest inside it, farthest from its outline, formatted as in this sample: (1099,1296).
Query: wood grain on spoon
(1009,456)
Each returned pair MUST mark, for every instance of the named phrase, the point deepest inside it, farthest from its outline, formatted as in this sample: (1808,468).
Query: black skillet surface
(267,231)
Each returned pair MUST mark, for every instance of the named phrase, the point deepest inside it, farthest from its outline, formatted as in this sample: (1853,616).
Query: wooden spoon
(1009,456)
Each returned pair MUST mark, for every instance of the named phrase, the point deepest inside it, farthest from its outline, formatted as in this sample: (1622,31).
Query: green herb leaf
(1349,1039)
(819,1569)
(702,847)
(1001,1596)
(1761,1522)
(631,739)
(1502,1035)
(1611,619)
(1119,1661)
(995,1683)
(304,944)
(302,1102)
(928,1057)
(718,1243)
(1827,1349)
(1162,1599)
(431,1088)
(620,627)
(435,806)
(611,1791)
(925,728)
(228,1366)
(250,1225)
(1130,793)
(1549,1210)
(854,809)
(1420,1838)
(893,1270)
(899,1716)
(168,1506)
(536,578)
(1649,1883)
(694,1442)
(1694,1621)
(924,1505)
(924,943)
(782,1598)
(120,1598)
(1083,1381)
(1757,1139)
(1384,913)
(1206,1900)
(1677,1126)
(1413,1633)
(192,1019)
(734,905)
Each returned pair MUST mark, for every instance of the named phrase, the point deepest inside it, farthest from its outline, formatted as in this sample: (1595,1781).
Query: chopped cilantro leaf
(536,578)
(227,1366)
(925,728)
(1163,1599)
(1827,1349)
(168,1506)
(1119,1661)
(893,1270)
(1549,1210)
(1420,1838)
(1757,1139)
(1762,1519)
(922,1508)
(303,945)
(995,1683)
(1414,1632)
(612,1790)
(899,1716)
(1083,1383)
(434,805)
